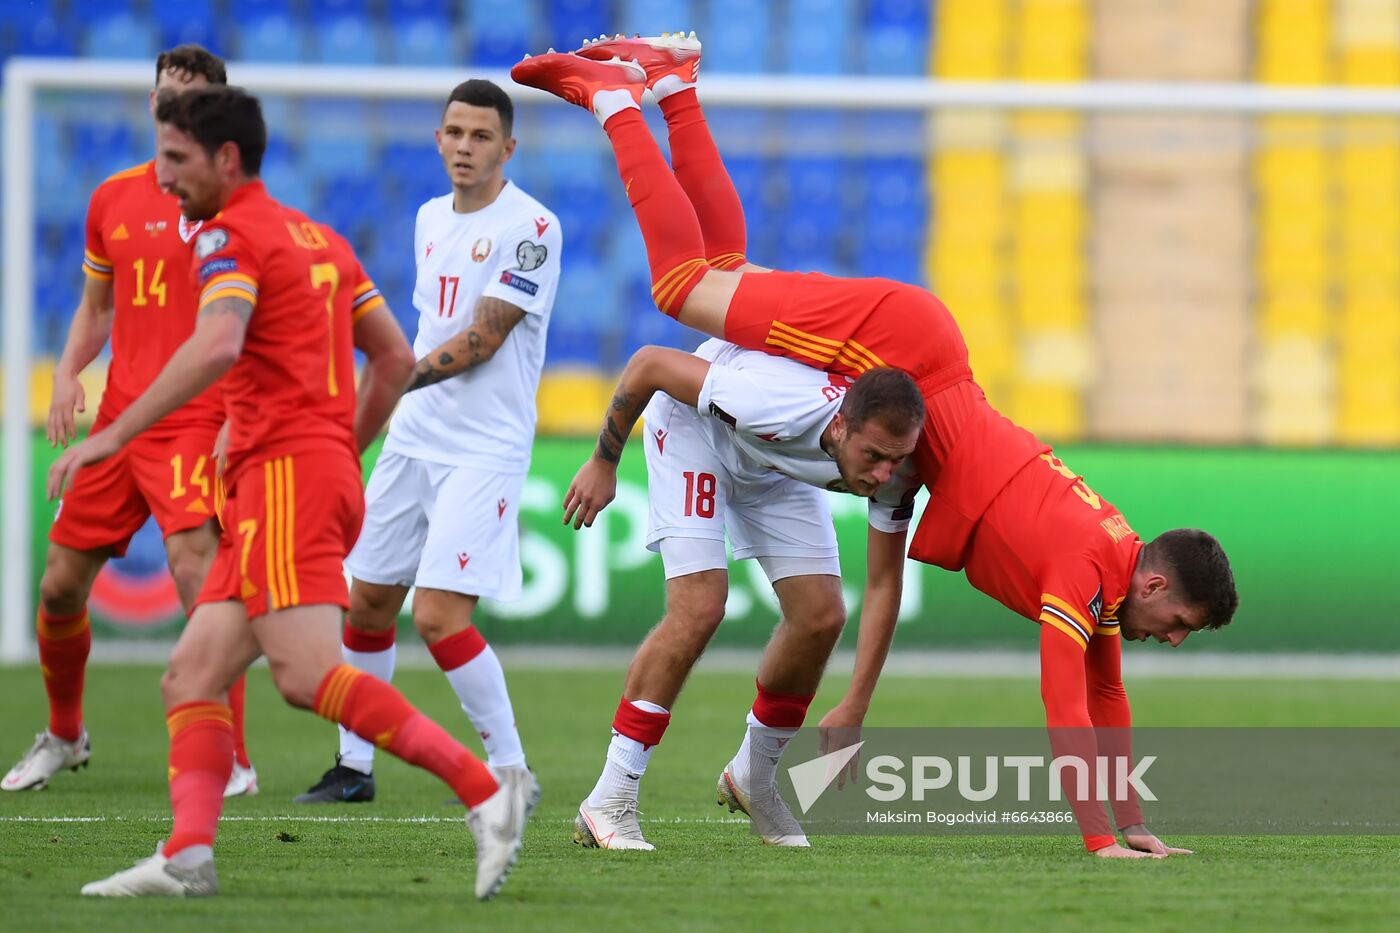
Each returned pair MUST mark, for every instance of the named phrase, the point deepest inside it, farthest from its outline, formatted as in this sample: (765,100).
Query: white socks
(755,765)
(355,752)
(480,685)
(626,763)
(667,85)
(608,103)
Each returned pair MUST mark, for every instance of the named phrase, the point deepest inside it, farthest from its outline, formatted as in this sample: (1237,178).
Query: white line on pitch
(318,819)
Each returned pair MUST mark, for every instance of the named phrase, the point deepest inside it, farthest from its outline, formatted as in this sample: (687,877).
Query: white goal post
(25,78)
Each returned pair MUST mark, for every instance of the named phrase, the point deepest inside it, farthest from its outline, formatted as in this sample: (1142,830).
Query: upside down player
(283,302)
(136,266)
(1024,527)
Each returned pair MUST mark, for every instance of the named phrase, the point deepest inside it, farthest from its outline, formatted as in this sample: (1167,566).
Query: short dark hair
(1197,564)
(216,115)
(192,60)
(482,93)
(884,393)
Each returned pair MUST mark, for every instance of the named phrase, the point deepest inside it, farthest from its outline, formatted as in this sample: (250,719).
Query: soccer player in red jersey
(1026,529)
(136,266)
(282,304)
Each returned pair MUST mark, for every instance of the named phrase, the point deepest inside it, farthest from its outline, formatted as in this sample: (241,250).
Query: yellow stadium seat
(571,401)
(1300,313)
(1054,412)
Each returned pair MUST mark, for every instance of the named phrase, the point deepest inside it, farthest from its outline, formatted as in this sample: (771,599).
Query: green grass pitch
(282,868)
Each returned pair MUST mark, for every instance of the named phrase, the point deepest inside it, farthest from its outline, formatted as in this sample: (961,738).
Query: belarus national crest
(481,249)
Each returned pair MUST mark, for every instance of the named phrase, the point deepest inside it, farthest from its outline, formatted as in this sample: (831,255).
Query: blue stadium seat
(46,35)
(121,36)
(85,11)
(424,42)
(198,32)
(404,159)
(274,38)
(893,184)
(908,14)
(736,36)
(894,50)
(334,142)
(817,37)
(651,17)
(891,245)
(172,17)
(415,9)
(323,11)
(500,32)
(244,10)
(572,21)
(345,40)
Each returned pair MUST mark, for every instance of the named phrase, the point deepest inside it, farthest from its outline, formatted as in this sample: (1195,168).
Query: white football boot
(498,826)
(242,782)
(157,876)
(764,806)
(46,757)
(613,825)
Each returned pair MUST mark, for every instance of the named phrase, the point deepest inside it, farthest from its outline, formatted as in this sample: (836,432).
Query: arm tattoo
(240,308)
(617,425)
(478,343)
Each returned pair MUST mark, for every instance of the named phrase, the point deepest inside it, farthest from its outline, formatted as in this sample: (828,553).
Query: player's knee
(826,621)
(59,593)
(295,684)
(372,610)
(698,613)
(434,629)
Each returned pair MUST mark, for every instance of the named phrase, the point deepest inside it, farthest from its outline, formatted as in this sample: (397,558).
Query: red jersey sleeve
(225,265)
(96,263)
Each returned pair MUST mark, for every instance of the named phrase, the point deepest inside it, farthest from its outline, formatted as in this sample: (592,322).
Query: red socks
(371,708)
(780,710)
(640,725)
(675,244)
(64,643)
(201,759)
(700,170)
(237,695)
(455,650)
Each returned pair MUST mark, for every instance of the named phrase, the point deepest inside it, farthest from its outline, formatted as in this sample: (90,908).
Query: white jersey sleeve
(525,269)
(767,397)
(892,506)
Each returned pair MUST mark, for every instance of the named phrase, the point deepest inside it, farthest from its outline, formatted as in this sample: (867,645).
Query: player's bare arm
(388,368)
(650,370)
(884,588)
(494,321)
(198,363)
(87,335)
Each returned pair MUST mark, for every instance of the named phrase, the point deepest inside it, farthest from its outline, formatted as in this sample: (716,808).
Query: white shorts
(695,501)
(444,527)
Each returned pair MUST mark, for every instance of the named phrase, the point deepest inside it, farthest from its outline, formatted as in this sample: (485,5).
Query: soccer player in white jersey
(746,443)
(443,502)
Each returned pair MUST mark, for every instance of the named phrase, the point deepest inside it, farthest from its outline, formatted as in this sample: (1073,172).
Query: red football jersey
(137,240)
(1055,551)
(293,387)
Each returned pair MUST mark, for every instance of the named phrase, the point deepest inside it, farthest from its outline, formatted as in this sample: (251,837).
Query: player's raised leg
(672,65)
(684,285)
(64,639)
(607,819)
(813,615)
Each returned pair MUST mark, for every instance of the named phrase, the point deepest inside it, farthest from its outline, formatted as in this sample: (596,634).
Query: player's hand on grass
(98,447)
(838,729)
(594,486)
(1117,851)
(1139,838)
(221,449)
(68,397)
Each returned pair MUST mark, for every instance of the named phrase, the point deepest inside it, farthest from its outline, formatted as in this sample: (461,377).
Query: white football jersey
(509,250)
(765,413)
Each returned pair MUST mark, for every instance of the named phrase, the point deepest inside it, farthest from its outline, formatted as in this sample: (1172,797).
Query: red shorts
(848,325)
(172,479)
(289,521)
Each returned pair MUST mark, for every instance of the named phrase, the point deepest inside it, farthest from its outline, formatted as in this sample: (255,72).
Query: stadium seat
(894,50)
(817,37)
(274,38)
(420,9)
(191,21)
(243,11)
(500,32)
(345,40)
(736,36)
(424,42)
(572,21)
(324,12)
(47,36)
(652,17)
